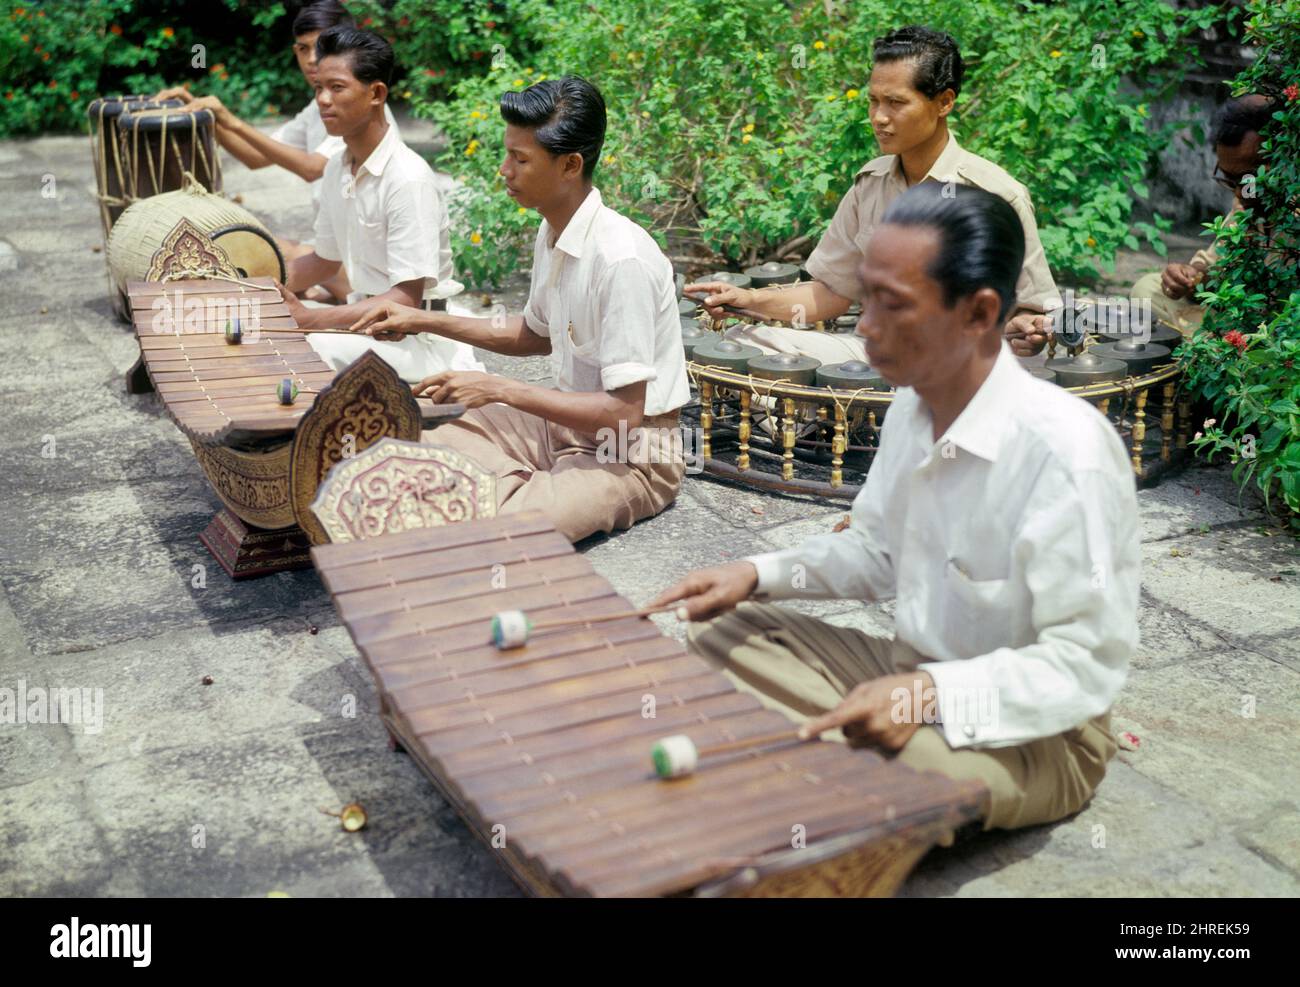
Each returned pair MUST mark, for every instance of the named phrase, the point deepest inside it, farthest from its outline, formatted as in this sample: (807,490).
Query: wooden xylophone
(264,459)
(545,749)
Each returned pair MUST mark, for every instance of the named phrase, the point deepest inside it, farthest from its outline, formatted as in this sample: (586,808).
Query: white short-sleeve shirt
(306,132)
(388,223)
(603,293)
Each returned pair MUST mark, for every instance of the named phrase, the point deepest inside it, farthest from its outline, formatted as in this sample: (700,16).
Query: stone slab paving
(192,789)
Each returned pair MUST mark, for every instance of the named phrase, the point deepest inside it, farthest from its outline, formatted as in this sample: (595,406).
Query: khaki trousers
(803,667)
(1182,314)
(566,474)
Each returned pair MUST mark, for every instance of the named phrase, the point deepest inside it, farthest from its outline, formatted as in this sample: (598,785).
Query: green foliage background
(736,125)
(1253,382)
(57,56)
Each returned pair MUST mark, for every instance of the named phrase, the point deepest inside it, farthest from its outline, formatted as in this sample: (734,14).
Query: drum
(106,152)
(142,228)
(1140,357)
(727,354)
(772,273)
(728,277)
(693,336)
(161,145)
(1086,368)
(850,376)
(788,367)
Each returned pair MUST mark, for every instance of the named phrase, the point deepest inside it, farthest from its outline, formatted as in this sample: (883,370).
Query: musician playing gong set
(1008,539)
(599,449)
(1234,132)
(382,220)
(302,146)
(915,80)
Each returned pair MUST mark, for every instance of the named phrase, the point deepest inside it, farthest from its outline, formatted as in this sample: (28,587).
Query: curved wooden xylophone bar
(545,749)
(264,459)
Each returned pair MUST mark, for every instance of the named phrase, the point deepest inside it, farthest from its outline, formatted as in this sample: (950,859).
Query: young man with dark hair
(302,145)
(1235,137)
(1009,540)
(915,80)
(381,219)
(599,450)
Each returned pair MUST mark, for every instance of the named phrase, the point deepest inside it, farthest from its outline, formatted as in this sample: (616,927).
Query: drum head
(253,252)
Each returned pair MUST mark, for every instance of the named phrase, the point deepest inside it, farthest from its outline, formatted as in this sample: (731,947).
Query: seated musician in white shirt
(381,219)
(1000,513)
(600,449)
(302,145)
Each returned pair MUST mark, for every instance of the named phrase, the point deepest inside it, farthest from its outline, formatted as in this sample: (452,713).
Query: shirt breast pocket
(976,614)
(373,244)
(586,365)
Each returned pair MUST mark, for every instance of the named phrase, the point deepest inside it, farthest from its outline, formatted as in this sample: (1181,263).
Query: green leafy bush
(736,125)
(1243,358)
(59,55)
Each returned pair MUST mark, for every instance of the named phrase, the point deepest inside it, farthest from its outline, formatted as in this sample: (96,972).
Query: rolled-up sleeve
(1080,557)
(412,213)
(626,296)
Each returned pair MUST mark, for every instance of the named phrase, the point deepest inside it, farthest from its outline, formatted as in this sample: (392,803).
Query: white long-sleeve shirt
(1011,545)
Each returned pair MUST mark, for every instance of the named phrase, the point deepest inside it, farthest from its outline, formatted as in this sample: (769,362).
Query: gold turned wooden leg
(706,419)
(1104,406)
(838,444)
(787,435)
(742,460)
(1166,421)
(1184,422)
(1139,429)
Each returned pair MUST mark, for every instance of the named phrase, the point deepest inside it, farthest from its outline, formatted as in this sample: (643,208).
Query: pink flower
(1292,92)
(1235,338)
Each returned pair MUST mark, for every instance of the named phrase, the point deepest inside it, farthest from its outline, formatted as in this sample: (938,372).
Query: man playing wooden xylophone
(381,219)
(915,81)
(600,450)
(302,145)
(1000,512)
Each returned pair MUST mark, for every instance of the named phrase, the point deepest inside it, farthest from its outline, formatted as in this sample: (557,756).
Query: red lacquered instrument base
(245,552)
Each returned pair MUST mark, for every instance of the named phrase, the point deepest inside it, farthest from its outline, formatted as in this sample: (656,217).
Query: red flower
(1292,92)
(404,21)
(1235,338)
(430,73)
(489,24)
(75,94)
(115,29)
(366,22)
(9,95)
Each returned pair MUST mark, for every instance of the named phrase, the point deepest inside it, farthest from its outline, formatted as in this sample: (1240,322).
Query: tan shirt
(881,181)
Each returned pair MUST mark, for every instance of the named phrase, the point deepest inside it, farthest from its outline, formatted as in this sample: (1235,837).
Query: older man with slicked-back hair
(1008,539)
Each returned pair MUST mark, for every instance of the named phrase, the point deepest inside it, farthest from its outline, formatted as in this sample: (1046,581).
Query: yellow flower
(1138,34)
(476,238)
(519,82)
(476,115)
(851,94)
(618,28)
(780,150)
(1142,110)
(541,78)
(1055,53)
(406,94)
(748,128)
(528,71)
(471,147)
(522,210)
(819,45)
(610,159)
(1091,242)
(746,139)
(645,113)
(831,98)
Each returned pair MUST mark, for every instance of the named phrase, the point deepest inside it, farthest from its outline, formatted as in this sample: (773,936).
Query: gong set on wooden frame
(787,422)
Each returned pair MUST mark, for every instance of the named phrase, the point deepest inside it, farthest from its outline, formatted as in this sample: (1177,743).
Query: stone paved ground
(97,549)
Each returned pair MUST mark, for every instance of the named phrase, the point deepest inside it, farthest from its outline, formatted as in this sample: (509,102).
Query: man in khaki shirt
(1235,136)
(914,84)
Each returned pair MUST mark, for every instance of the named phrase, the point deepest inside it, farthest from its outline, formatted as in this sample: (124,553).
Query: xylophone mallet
(287,391)
(512,628)
(677,756)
